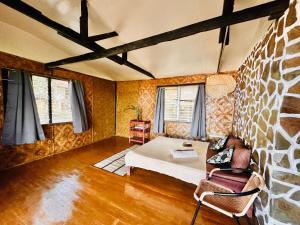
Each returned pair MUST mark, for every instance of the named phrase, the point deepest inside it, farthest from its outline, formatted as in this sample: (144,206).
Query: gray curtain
(79,115)
(198,122)
(21,123)
(159,116)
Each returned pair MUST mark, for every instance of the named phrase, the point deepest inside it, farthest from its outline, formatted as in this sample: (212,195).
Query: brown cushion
(235,177)
(241,158)
(234,141)
(231,184)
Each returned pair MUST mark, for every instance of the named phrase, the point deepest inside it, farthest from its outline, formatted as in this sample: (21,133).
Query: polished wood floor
(67,189)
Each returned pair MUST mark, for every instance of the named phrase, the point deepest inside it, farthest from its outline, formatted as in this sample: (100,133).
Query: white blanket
(156,156)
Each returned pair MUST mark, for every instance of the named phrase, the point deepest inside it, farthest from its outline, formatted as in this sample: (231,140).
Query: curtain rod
(176,85)
(38,74)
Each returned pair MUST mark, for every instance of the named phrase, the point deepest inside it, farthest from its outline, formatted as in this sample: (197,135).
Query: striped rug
(115,163)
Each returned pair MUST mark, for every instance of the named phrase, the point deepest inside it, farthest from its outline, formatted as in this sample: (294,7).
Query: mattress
(156,156)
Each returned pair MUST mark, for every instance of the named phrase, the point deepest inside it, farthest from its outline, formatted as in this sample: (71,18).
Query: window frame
(178,100)
(50,122)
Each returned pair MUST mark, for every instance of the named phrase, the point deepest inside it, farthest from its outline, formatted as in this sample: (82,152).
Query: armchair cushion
(231,184)
(241,158)
(240,178)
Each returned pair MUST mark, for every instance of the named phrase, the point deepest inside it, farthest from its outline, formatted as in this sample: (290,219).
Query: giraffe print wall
(267,117)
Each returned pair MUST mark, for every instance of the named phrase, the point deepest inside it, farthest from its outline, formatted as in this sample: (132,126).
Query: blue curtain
(21,123)
(159,116)
(79,115)
(198,128)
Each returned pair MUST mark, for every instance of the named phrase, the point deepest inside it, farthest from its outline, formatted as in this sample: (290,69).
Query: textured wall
(267,117)
(100,97)
(103,109)
(143,93)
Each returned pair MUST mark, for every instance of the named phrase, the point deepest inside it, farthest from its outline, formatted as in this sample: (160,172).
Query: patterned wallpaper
(267,117)
(100,98)
(103,109)
(143,93)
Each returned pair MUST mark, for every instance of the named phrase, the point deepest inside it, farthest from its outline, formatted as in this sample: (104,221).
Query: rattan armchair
(224,200)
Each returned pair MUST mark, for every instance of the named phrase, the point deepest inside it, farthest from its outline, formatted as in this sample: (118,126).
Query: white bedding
(156,156)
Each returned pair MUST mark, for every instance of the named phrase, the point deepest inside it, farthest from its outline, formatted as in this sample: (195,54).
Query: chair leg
(237,220)
(196,213)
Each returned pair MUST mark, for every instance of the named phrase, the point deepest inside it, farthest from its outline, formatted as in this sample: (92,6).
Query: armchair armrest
(228,169)
(226,194)
(240,194)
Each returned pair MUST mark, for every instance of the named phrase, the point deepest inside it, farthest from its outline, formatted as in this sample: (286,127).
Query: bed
(155,156)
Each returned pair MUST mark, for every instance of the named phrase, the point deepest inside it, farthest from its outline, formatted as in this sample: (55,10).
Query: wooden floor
(67,189)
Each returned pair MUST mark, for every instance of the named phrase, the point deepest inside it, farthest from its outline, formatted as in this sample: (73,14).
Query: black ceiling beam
(222,49)
(227,10)
(248,14)
(84,23)
(224,34)
(103,36)
(275,16)
(124,57)
(66,32)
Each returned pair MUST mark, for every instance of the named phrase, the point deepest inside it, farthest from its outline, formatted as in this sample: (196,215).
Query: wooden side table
(139,131)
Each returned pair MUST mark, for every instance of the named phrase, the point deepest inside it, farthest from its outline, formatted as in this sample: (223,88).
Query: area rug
(115,163)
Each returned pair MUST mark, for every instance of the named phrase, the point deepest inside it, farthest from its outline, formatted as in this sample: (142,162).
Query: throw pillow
(222,157)
(220,144)
(234,141)
(241,158)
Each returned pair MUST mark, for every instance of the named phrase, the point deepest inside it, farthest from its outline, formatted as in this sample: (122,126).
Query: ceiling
(133,20)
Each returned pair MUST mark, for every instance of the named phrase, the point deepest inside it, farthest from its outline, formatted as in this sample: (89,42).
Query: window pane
(171,95)
(40,89)
(186,111)
(60,96)
(179,102)
(186,103)
(188,92)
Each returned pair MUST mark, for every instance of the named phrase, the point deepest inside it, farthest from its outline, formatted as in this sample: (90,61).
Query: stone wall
(267,117)
(100,98)
(219,112)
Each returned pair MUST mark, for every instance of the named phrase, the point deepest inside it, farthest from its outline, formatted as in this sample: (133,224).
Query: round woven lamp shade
(218,86)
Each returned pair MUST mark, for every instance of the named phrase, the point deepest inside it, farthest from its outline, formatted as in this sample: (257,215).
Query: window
(40,89)
(179,103)
(60,99)
(52,99)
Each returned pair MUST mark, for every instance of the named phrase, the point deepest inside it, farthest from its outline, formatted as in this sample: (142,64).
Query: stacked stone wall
(267,117)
